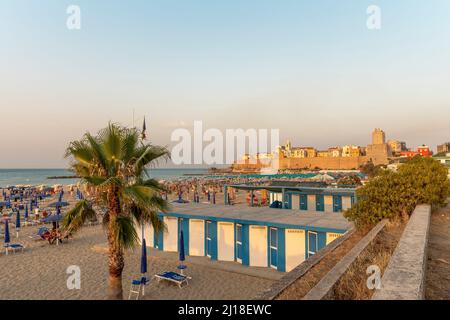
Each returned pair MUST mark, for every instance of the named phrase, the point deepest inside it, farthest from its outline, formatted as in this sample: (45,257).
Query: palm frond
(76,217)
(125,232)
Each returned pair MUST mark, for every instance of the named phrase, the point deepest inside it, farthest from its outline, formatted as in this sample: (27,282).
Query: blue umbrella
(58,204)
(18,220)
(144,258)
(53,218)
(26,211)
(7,239)
(182,256)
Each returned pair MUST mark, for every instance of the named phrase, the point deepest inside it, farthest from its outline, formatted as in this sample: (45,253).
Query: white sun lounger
(177,278)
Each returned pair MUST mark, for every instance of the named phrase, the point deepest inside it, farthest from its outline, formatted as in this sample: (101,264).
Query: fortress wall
(335,163)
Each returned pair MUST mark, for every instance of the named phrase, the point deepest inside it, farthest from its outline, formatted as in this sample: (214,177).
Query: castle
(335,158)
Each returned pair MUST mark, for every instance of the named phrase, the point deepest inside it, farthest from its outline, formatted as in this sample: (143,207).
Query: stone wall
(404,276)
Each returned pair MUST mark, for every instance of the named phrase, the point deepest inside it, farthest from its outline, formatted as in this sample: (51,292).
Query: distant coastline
(12,177)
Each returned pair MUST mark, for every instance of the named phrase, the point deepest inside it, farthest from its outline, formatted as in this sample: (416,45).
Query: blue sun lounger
(137,286)
(171,276)
(13,247)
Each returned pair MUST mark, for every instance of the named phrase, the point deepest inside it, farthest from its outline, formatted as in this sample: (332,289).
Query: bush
(349,181)
(396,194)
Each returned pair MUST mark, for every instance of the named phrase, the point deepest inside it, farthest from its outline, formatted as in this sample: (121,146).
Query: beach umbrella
(18,220)
(53,218)
(182,255)
(144,257)
(59,204)
(26,212)
(214,198)
(7,239)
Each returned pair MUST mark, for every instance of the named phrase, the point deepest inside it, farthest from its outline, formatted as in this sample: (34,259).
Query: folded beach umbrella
(144,257)
(7,238)
(18,220)
(26,211)
(182,255)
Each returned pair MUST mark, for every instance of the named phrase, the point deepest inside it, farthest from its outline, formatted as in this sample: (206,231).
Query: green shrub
(349,181)
(396,194)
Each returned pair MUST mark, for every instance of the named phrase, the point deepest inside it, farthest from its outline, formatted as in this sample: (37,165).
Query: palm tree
(113,165)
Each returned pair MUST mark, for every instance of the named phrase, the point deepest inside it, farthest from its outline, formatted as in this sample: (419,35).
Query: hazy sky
(310,68)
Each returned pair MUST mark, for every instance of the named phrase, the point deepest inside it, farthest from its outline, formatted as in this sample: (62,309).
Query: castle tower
(378,136)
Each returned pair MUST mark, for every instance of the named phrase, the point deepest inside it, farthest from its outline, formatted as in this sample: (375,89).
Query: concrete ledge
(404,276)
(278,287)
(323,289)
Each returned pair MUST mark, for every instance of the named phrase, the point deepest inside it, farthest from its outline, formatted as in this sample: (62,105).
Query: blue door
(239,243)
(320,202)
(274,247)
(303,202)
(337,203)
(313,243)
(208,239)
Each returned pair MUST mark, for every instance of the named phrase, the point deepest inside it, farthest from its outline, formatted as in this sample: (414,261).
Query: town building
(351,151)
(445,147)
(424,151)
(444,159)
(378,152)
(408,154)
(397,146)
(298,158)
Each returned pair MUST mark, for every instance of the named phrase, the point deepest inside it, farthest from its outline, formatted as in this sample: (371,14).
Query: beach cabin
(251,236)
(303,197)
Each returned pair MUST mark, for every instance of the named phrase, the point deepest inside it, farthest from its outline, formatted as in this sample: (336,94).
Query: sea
(13,177)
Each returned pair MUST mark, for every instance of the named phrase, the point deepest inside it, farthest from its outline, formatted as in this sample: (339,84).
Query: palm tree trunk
(116,261)
(116,264)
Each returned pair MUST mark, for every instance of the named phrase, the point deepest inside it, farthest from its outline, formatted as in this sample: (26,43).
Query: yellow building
(351,151)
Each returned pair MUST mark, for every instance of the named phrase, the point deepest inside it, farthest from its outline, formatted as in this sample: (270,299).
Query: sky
(312,69)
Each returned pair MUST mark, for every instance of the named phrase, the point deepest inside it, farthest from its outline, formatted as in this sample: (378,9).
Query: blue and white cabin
(252,236)
(297,196)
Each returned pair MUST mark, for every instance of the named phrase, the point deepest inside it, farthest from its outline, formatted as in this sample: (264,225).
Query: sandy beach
(40,271)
